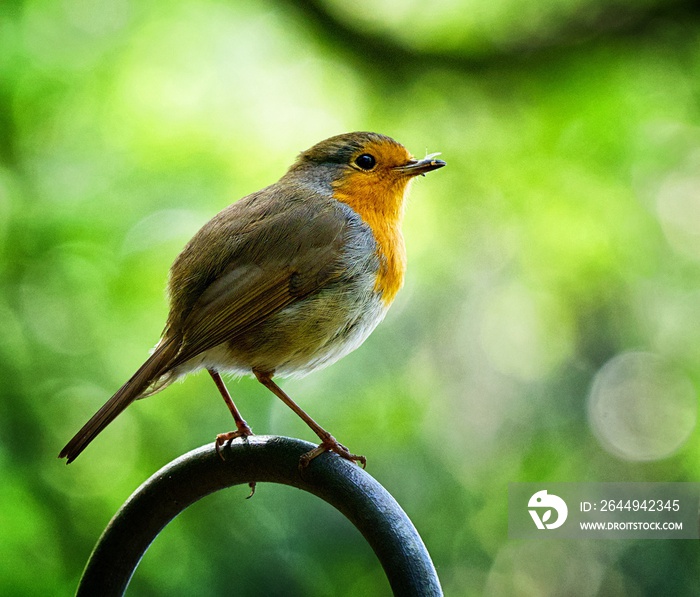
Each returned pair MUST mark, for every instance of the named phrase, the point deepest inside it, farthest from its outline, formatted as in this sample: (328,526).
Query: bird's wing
(291,252)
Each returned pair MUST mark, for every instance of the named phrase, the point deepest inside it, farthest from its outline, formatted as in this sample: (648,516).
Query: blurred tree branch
(9,10)
(590,24)
(7,124)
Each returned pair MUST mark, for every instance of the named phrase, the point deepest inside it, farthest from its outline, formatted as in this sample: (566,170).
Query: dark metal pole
(196,474)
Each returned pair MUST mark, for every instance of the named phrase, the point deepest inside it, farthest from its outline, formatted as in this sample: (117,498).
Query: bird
(285,281)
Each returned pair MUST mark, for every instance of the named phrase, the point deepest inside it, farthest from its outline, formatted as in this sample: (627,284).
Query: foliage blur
(548,330)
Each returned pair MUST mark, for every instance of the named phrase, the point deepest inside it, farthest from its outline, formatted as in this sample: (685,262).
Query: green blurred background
(548,329)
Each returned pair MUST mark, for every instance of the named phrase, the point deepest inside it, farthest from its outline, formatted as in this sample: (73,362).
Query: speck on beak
(415,167)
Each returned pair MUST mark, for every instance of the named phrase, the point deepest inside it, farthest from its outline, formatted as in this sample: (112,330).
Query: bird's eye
(365,161)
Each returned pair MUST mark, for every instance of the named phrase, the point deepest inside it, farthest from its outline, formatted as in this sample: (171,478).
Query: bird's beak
(415,167)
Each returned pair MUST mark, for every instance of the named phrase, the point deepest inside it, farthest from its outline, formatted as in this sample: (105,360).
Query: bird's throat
(383,214)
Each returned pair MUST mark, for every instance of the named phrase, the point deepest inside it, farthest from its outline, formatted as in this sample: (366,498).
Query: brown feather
(246,293)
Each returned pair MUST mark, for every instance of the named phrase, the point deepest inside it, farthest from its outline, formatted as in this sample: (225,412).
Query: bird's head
(368,171)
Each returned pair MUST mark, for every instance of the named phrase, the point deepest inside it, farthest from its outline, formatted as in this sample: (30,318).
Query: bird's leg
(328,442)
(242,428)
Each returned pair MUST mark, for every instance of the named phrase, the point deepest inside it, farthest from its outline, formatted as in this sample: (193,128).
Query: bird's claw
(330,444)
(226,438)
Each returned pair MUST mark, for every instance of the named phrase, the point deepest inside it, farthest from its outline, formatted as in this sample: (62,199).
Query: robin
(285,281)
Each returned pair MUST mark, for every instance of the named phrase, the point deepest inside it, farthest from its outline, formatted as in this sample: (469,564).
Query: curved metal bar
(200,472)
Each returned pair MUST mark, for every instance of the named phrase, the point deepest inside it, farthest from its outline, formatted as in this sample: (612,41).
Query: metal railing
(263,459)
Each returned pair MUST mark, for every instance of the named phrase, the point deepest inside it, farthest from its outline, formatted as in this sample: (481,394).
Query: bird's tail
(148,374)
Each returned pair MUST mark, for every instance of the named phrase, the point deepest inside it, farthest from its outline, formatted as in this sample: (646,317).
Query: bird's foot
(330,444)
(224,438)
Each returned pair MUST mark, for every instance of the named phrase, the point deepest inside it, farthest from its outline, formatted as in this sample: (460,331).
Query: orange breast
(381,208)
